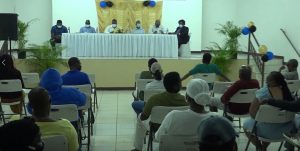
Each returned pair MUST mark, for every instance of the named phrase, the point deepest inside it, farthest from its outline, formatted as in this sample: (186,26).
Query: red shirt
(238,85)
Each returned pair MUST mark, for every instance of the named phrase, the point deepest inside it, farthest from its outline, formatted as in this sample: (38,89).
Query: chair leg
(240,125)
(247,146)
(150,139)
(89,130)
(280,146)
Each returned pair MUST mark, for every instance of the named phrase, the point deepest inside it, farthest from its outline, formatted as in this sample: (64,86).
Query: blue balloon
(245,31)
(103,4)
(270,55)
(152,3)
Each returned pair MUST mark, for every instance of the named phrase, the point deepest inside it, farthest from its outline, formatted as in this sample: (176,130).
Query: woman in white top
(156,84)
(186,122)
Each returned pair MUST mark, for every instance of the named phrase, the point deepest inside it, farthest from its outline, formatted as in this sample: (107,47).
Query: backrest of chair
(270,114)
(294,85)
(31,80)
(66,111)
(13,85)
(178,143)
(243,96)
(208,77)
(149,93)
(221,87)
(158,113)
(87,90)
(137,76)
(55,143)
(92,78)
(141,83)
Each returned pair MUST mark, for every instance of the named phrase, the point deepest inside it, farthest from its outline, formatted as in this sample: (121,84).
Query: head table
(120,45)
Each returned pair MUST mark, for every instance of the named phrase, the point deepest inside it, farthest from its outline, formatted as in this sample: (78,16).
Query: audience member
(138,28)
(20,135)
(56,32)
(276,88)
(75,76)
(8,71)
(87,28)
(217,134)
(182,33)
(171,97)
(41,103)
(290,73)
(205,67)
(185,123)
(245,82)
(52,82)
(157,28)
(156,84)
(113,28)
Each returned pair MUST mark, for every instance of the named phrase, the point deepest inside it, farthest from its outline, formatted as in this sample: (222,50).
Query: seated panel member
(87,28)
(113,28)
(157,28)
(56,32)
(138,28)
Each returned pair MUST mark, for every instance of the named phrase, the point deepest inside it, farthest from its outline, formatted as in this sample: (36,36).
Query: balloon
(146,3)
(245,31)
(103,4)
(109,4)
(252,29)
(264,58)
(152,3)
(250,23)
(262,49)
(270,55)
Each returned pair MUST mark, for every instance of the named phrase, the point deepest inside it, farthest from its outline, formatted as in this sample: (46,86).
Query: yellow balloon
(250,23)
(263,49)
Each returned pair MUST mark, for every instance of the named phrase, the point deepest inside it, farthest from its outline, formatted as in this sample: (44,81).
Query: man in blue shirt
(56,32)
(75,76)
(138,28)
(87,28)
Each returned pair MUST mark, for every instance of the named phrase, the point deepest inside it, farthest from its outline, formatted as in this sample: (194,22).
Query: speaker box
(8,26)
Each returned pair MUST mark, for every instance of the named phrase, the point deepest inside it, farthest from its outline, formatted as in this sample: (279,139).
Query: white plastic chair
(31,80)
(8,86)
(55,143)
(66,111)
(294,85)
(149,93)
(270,114)
(92,78)
(141,83)
(158,114)
(87,90)
(220,88)
(178,143)
(185,50)
(245,96)
(208,77)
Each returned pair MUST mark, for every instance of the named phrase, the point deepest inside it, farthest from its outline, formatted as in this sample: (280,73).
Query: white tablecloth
(120,45)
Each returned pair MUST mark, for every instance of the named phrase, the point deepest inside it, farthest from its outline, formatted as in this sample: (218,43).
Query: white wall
(39,31)
(191,12)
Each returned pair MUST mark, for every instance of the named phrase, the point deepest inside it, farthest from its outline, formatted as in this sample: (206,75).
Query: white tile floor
(115,123)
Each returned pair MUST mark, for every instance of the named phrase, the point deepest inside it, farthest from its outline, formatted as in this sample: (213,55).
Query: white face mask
(59,26)
(87,26)
(114,25)
(180,26)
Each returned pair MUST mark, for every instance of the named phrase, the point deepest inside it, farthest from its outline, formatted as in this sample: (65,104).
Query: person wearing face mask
(182,33)
(113,28)
(56,32)
(138,28)
(87,28)
(157,28)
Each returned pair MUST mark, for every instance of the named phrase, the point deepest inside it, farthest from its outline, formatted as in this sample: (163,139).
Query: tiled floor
(115,123)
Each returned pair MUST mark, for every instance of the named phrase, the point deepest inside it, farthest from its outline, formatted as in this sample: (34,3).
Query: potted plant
(42,57)
(22,41)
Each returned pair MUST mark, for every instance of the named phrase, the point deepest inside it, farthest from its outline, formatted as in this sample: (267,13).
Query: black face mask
(157,25)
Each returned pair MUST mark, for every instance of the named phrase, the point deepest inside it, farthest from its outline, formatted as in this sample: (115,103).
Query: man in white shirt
(113,28)
(157,28)
(290,71)
(138,28)
(87,28)
(186,122)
